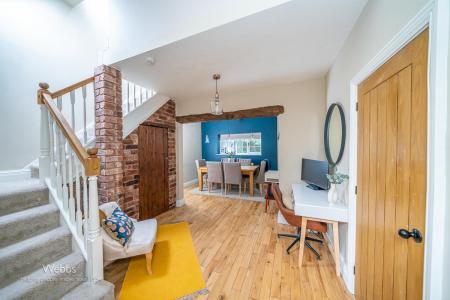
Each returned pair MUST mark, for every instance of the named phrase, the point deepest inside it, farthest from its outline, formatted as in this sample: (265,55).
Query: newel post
(44,156)
(94,239)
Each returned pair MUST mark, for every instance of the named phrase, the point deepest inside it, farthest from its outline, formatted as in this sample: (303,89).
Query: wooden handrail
(87,157)
(72,87)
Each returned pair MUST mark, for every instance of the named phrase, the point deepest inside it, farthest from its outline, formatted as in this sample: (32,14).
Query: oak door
(153,171)
(392,164)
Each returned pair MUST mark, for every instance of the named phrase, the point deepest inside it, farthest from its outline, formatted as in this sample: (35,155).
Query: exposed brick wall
(165,116)
(108,132)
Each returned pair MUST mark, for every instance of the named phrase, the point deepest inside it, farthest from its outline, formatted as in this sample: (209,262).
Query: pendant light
(216,107)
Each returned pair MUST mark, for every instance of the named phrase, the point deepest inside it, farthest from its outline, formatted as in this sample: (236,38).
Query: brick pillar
(108,133)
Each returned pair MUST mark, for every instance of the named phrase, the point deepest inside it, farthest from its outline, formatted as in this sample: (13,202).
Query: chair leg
(239,190)
(292,244)
(221,188)
(313,250)
(313,240)
(267,203)
(288,235)
(261,189)
(148,259)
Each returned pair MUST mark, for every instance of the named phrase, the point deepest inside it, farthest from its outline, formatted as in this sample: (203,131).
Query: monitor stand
(313,187)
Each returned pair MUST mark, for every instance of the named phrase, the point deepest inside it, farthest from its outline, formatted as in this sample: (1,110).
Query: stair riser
(33,258)
(21,201)
(21,229)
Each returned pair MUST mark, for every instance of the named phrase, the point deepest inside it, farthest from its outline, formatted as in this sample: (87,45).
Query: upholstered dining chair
(245,161)
(202,163)
(260,177)
(228,159)
(215,174)
(233,176)
(296,221)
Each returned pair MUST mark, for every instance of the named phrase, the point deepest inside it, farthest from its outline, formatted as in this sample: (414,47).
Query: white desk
(314,206)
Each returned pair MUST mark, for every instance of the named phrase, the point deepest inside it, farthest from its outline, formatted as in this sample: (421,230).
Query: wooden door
(392,164)
(153,172)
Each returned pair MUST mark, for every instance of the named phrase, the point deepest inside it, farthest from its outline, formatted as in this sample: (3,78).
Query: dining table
(245,170)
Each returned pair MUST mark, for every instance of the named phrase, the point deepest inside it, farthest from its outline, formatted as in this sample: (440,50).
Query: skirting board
(10,175)
(190,183)
(179,202)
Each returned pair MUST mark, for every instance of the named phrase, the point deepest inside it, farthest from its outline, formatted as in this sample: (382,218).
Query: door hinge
(354,270)
(356,106)
(356,190)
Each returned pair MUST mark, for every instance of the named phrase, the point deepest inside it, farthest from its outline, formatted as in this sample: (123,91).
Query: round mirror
(334,134)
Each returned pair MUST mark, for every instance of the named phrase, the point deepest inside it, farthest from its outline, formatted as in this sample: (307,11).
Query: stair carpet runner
(36,253)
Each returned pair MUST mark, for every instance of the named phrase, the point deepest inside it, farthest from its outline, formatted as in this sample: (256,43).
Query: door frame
(437,22)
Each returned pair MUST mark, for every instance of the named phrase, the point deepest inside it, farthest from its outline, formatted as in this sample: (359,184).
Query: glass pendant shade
(216,106)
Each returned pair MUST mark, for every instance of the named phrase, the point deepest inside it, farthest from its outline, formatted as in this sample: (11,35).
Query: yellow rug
(176,271)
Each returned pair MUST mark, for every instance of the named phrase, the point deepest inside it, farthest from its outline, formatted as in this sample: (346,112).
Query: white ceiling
(291,42)
(73,3)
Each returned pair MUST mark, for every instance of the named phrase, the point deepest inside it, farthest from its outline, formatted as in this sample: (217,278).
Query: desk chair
(296,221)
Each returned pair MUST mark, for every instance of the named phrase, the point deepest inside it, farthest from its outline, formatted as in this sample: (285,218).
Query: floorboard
(241,256)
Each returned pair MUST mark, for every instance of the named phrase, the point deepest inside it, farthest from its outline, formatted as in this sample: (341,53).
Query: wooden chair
(215,174)
(296,221)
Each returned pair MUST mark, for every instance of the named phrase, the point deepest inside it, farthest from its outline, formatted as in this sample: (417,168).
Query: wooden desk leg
(200,180)
(250,188)
(337,256)
(302,242)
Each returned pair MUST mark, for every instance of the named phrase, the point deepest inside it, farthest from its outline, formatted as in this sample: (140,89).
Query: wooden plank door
(153,171)
(392,164)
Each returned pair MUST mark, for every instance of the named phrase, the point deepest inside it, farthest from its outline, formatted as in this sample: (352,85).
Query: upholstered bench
(141,241)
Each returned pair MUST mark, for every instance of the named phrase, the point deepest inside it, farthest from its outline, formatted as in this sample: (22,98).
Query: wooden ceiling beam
(266,111)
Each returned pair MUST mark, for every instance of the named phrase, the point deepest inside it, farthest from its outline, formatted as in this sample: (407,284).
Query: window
(240,144)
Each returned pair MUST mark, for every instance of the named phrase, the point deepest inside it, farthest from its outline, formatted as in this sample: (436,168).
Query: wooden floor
(241,256)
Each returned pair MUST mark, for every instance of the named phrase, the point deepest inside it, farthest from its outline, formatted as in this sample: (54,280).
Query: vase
(333,196)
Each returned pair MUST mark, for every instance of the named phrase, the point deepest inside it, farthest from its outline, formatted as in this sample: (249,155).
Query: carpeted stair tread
(29,255)
(25,224)
(47,284)
(101,290)
(21,194)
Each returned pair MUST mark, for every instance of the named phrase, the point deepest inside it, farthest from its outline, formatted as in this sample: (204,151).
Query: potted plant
(334,179)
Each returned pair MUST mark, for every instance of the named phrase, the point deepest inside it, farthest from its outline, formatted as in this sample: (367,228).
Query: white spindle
(83,91)
(44,157)
(58,163)
(95,244)
(79,216)
(70,183)
(140,95)
(85,204)
(72,102)
(52,151)
(63,157)
(128,97)
(134,96)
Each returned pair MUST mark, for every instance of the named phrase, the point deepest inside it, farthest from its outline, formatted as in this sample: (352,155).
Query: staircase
(31,269)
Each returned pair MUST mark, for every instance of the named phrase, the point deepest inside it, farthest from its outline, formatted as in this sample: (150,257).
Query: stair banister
(56,137)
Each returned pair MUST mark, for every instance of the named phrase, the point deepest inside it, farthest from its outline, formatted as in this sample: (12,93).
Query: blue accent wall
(267,126)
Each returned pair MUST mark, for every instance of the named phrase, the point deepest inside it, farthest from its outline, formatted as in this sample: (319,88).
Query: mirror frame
(327,134)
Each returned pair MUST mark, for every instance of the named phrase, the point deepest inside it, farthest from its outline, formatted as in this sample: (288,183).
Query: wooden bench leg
(148,258)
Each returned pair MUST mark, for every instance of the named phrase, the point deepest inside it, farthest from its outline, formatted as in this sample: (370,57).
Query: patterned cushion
(119,226)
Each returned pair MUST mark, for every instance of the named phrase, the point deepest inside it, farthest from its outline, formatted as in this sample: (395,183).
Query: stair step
(25,224)
(49,283)
(21,194)
(101,290)
(25,257)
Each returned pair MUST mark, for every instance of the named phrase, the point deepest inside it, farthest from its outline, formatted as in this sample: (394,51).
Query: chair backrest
(228,159)
(200,163)
(245,161)
(232,172)
(288,214)
(260,178)
(215,173)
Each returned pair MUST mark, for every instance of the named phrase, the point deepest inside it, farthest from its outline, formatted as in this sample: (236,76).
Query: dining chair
(215,174)
(233,176)
(260,176)
(228,159)
(201,163)
(294,220)
(245,161)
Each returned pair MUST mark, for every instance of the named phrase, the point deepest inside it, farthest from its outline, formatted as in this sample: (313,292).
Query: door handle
(415,234)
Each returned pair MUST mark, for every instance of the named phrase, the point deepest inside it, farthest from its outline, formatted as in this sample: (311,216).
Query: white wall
(38,42)
(378,23)
(192,150)
(300,126)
